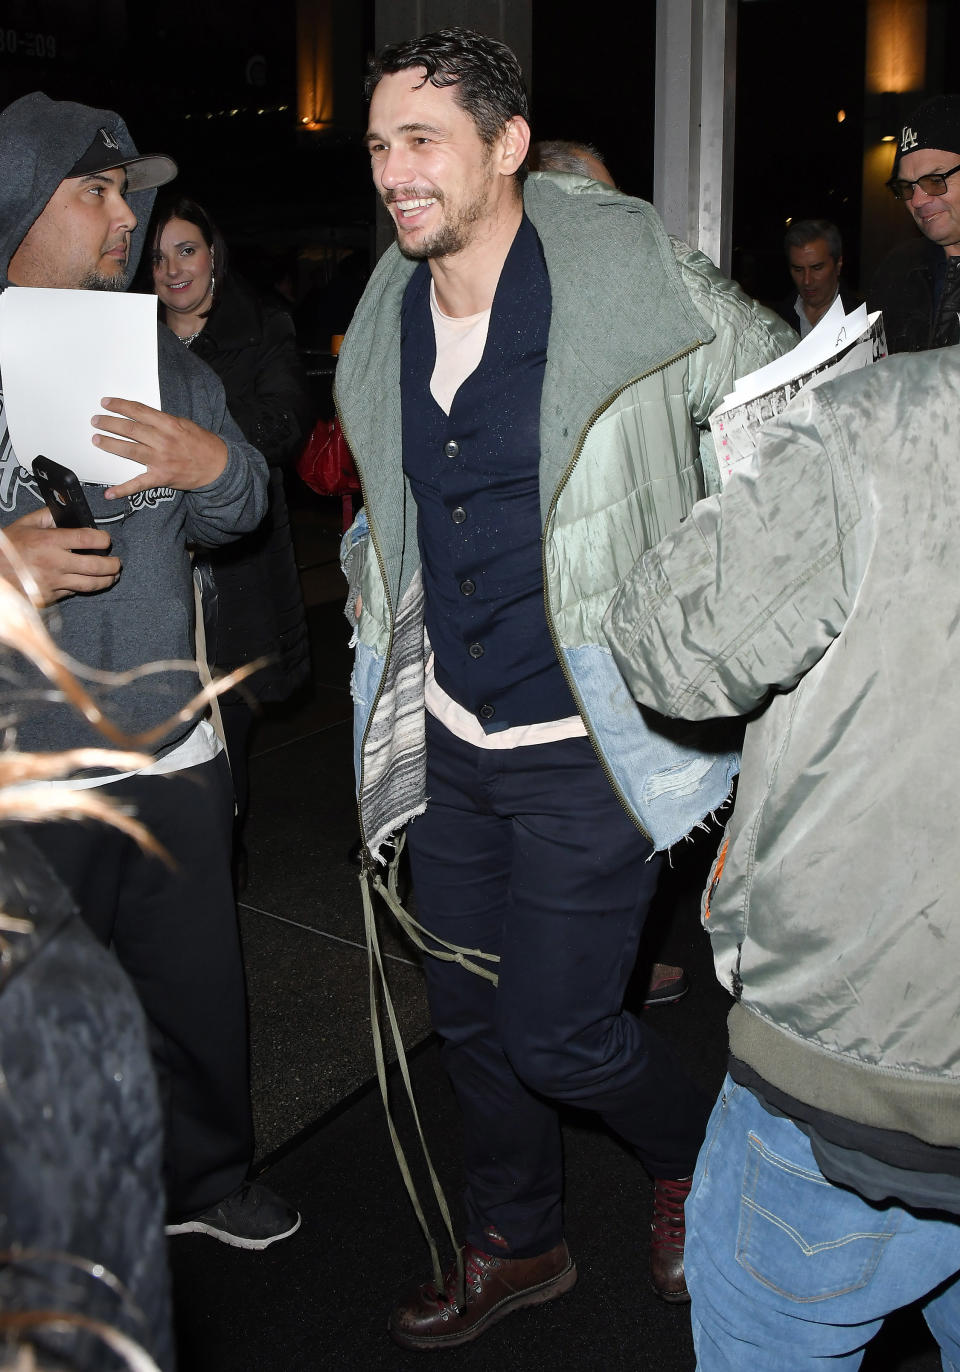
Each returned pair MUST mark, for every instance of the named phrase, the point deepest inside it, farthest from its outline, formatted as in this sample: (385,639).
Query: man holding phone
(75,199)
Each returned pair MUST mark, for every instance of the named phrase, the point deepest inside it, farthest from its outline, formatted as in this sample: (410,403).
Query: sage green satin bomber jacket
(820,594)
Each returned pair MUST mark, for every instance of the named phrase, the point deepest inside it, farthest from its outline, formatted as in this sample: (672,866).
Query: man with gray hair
(576,159)
(815,257)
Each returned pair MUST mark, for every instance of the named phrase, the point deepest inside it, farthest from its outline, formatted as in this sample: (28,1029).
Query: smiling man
(918,285)
(75,199)
(525,387)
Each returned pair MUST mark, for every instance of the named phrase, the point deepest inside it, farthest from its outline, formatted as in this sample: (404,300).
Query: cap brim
(145,173)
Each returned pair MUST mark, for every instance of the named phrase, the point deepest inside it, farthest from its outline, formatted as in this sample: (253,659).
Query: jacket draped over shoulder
(646,337)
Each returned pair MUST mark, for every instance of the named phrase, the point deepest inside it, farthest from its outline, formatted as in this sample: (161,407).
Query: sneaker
(250,1217)
(667,985)
(667,1234)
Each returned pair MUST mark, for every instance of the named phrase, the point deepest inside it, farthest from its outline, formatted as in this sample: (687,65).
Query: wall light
(315,63)
(896,45)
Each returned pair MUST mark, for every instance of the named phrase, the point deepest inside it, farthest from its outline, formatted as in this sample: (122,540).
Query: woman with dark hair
(252,601)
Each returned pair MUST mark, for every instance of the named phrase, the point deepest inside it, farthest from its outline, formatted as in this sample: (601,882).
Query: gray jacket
(820,589)
(148,615)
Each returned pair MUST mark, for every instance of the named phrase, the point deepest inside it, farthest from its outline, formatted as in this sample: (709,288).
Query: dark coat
(259,607)
(81,1136)
(918,289)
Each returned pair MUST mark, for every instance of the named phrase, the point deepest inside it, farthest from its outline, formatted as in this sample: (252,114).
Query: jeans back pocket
(803,1237)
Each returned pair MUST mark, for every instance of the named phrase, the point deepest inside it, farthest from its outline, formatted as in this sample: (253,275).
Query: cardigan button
(452,448)
(486,712)
(467,587)
(475,650)
(458,515)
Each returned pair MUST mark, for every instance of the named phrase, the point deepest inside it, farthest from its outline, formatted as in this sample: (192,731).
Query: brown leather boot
(495,1287)
(667,1233)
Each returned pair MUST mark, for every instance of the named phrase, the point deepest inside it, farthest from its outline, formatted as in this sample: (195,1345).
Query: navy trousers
(527,853)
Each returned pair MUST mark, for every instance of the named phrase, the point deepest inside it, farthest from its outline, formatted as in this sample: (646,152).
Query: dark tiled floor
(301,915)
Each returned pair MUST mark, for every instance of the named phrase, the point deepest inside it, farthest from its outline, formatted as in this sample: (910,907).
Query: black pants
(238,721)
(528,853)
(175,934)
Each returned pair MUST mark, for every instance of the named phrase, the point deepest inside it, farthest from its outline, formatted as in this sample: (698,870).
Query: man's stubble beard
(454,235)
(97,281)
(448,239)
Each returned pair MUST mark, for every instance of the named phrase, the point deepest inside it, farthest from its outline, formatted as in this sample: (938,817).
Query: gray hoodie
(148,615)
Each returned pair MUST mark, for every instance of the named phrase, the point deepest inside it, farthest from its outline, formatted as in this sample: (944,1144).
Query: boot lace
(667,1228)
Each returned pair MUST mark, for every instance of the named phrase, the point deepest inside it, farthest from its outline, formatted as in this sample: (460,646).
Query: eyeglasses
(934,184)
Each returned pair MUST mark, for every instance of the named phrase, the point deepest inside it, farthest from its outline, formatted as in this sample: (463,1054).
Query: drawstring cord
(471,959)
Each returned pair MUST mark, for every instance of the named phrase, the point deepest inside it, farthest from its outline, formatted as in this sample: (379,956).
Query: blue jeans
(786,1270)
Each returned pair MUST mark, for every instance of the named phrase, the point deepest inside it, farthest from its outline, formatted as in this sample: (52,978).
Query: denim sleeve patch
(669,785)
(364,682)
(682,779)
(358,531)
(791,1236)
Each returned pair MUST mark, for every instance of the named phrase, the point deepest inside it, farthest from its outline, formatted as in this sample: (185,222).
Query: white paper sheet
(832,333)
(61,352)
(737,423)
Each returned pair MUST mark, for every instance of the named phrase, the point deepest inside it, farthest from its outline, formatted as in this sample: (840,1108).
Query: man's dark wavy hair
(486,75)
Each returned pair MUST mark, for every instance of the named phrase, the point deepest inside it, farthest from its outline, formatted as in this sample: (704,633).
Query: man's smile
(406,207)
(410,204)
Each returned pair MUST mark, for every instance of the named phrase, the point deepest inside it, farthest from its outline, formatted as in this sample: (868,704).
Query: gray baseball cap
(143,172)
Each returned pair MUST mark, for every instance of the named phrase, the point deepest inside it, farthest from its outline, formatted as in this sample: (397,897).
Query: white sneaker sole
(224,1235)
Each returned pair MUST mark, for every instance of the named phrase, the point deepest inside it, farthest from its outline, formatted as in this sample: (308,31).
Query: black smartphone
(63,492)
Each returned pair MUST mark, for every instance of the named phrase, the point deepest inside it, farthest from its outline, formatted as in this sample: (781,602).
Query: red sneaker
(667,984)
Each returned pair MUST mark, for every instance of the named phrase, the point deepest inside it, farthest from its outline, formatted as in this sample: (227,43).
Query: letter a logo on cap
(908,139)
(108,139)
